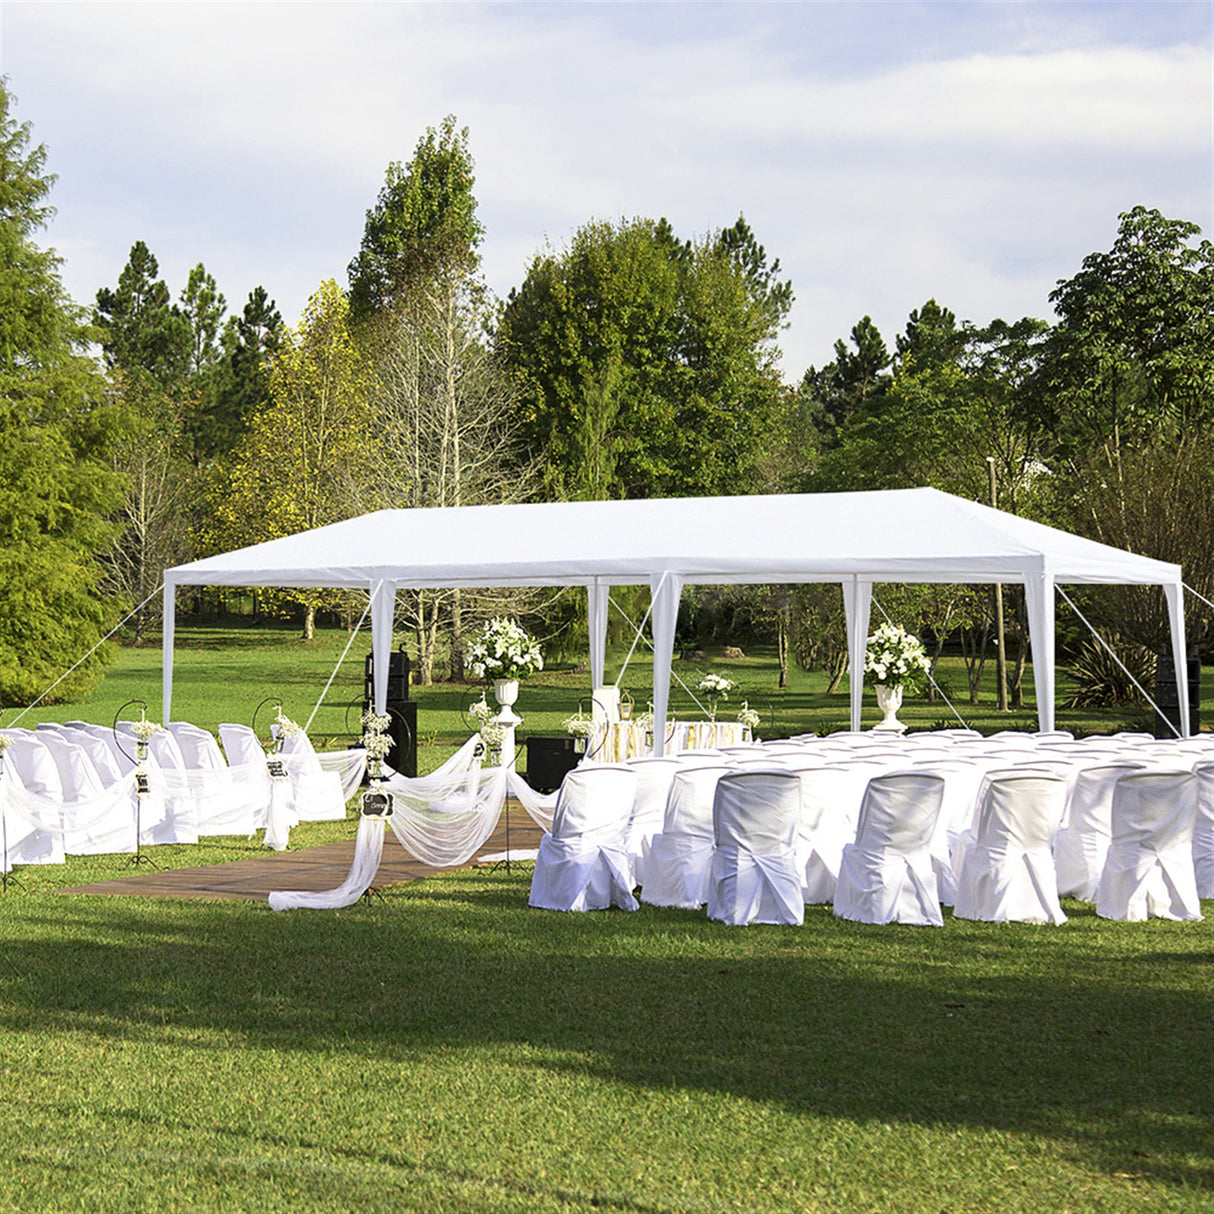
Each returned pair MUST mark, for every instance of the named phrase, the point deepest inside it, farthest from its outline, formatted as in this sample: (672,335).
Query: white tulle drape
(368,848)
(442,819)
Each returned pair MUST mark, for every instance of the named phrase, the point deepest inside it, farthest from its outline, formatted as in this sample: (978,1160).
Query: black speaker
(402,729)
(548,762)
(1168,697)
(398,676)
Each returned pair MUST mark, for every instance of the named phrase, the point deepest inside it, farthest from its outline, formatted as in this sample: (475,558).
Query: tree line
(632,362)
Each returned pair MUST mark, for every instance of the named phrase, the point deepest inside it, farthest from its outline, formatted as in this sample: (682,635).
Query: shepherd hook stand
(142,788)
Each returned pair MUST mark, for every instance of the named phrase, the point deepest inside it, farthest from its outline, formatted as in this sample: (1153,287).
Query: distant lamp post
(1000,646)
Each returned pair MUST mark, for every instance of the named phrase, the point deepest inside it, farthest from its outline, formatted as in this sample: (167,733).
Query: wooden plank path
(317,868)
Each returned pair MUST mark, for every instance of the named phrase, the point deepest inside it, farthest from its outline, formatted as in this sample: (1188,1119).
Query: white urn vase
(506,692)
(889,700)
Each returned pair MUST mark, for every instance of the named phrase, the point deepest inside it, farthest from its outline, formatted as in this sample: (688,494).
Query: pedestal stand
(889,700)
(506,692)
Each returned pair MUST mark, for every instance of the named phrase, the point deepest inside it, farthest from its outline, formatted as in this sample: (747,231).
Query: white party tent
(855,539)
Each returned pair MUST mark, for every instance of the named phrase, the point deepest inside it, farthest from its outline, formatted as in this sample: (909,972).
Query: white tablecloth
(628,740)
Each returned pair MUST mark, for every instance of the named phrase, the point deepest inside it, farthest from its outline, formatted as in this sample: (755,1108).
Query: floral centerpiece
(503,650)
(893,661)
(894,658)
(715,687)
(579,728)
(144,731)
(748,718)
(376,740)
(487,727)
(286,727)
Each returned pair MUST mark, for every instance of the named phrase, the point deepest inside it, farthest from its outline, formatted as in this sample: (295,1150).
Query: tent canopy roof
(902,535)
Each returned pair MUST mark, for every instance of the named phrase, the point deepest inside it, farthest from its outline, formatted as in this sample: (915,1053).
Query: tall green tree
(55,430)
(299,464)
(1129,402)
(445,411)
(237,383)
(141,329)
(652,355)
(849,384)
(423,225)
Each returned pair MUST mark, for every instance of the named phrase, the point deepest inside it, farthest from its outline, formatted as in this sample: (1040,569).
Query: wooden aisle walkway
(317,868)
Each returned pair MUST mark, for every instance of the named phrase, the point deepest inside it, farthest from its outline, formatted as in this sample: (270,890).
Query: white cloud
(885,154)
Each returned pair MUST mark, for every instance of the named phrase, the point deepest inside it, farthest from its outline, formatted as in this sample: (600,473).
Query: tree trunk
(782,643)
(309,630)
(456,663)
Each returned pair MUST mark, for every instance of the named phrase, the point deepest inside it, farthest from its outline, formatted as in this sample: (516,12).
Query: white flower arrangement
(503,650)
(747,717)
(716,686)
(492,734)
(580,726)
(376,740)
(377,745)
(895,658)
(286,727)
(144,730)
(5,743)
(481,712)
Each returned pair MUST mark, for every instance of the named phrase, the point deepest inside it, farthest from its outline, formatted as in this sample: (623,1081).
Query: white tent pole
(1039,600)
(597,594)
(1174,593)
(667,588)
(383,610)
(857,603)
(1146,695)
(169,626)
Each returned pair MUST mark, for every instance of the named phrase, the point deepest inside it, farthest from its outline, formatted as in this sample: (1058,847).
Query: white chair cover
(96,820)
(835,829)
(1203,831)
(105,763)
(1082,844)
(271,797)
(654,777)
(1149,867)
(886,875)
(962,777)
(830,806)
(679,864)
(1007,874)
(754,864)
(316,794)
(198,747)
(31,798)
(582,864)
(348,765)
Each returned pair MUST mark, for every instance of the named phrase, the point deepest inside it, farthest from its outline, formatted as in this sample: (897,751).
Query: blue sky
(885,153)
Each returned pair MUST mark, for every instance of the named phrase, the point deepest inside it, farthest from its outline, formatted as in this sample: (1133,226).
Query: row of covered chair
(991,809)
(71,789)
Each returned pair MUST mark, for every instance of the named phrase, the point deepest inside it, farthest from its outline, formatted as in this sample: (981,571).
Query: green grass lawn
(224,674)
(450,1049)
